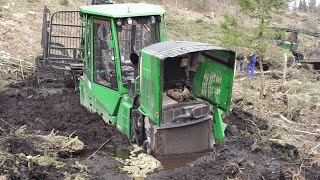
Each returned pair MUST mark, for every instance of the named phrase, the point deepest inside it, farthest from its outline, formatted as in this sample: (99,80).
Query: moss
(47,161)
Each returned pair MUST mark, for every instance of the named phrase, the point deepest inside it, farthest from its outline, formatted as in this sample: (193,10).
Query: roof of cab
(167,49)
(123,10)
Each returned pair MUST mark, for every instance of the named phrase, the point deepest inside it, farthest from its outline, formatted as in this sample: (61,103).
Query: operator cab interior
(135,33)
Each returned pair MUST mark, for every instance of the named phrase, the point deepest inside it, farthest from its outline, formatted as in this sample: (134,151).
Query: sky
(318,2)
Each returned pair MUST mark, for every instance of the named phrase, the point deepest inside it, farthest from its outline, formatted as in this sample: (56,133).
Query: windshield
(141,32)
(134,34)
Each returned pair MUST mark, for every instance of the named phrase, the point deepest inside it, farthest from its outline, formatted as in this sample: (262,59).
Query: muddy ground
(245,155)
(44,111)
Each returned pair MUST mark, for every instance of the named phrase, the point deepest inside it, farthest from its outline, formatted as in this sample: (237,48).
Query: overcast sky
(318,1)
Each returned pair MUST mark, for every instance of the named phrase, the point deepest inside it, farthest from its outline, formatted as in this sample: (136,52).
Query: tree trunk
(285,64)
(262,79)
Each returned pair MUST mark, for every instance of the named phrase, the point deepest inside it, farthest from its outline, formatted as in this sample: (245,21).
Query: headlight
(171,114)
(200,111)
(119,22)
(153,20)
(129,21)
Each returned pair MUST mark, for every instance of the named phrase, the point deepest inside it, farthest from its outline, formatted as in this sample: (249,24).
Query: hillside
(46,134)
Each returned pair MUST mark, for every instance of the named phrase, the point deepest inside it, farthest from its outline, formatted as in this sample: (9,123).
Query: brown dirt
(246,154)
(46,109)
(236,159)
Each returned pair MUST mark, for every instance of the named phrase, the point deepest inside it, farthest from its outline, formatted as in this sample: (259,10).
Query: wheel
(146,147)
(134,133)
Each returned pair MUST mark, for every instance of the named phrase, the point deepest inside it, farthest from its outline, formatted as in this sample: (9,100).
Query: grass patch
(180,28)
(45,160)
(64,2)
(3,82)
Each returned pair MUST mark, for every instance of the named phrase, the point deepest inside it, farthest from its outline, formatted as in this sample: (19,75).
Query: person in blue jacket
(252,63)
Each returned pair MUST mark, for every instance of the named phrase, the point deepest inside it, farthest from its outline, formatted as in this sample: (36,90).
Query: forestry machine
(288,38)
(166,96)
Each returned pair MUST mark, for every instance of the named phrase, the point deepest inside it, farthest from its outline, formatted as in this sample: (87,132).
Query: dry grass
(291,109)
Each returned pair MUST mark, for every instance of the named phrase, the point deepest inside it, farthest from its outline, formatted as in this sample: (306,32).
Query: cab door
(105,92)
(214,78)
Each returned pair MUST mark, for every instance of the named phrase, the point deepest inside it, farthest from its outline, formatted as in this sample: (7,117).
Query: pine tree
(304,6)
(312,5)
(232,33)
(294,6)
(300,8)
(261,11)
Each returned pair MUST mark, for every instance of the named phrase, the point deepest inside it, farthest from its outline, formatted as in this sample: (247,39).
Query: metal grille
(148,93)
(125,120)
(192,138)
(65,42)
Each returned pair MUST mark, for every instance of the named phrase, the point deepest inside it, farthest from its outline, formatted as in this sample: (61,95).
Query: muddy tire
(146,147)
(69,80)
(133,138)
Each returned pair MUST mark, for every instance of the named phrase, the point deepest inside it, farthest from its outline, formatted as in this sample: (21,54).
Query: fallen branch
(255,125)
(285,119)
(285,64)
(306,132)
(100,147)
(72,134)
(312,149)
(2,129)
(8,124)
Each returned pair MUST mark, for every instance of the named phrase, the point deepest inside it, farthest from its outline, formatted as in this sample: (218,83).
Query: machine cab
(113,32)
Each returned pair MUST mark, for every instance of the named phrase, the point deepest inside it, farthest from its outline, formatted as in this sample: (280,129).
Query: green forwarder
(166,96)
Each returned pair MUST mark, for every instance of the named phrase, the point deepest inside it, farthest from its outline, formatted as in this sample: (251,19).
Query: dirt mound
(245,121)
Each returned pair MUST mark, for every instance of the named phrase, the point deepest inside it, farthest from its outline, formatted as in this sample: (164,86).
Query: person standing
(240,58)
(252,63)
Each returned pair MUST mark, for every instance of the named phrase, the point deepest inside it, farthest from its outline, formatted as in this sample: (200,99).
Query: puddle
(138,164)
(173,162)
(104,151)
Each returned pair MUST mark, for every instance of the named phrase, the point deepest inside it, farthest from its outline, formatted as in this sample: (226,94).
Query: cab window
(104,60)
(135,34)
(87,69)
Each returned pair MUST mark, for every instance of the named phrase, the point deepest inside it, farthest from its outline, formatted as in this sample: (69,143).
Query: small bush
(64,2)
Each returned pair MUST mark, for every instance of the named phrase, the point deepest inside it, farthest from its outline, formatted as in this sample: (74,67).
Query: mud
(45,110)
(237,159)
(56,109)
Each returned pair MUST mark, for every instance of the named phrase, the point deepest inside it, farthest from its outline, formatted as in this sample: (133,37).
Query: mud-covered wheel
(146,147)
(133,138)
(69,80)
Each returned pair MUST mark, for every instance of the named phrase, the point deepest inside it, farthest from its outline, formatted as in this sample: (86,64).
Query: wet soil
(237,159)
(57,109)
(44,110)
